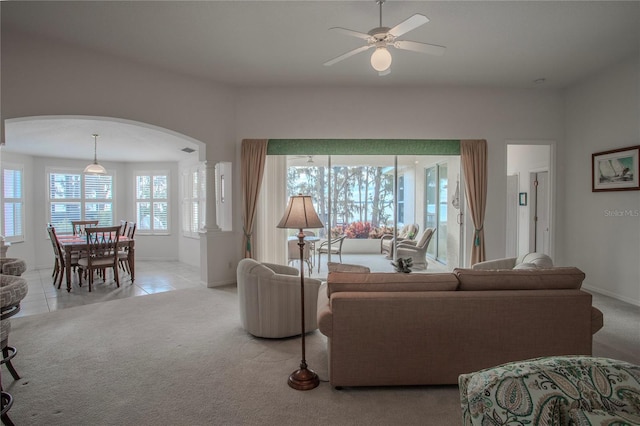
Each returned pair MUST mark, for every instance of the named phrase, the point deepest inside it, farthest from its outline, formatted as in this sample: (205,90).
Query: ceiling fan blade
(431,49)
(351,33)
(347,55)
(408,24)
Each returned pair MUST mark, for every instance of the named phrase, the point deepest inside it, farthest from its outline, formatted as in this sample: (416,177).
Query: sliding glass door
(436,209)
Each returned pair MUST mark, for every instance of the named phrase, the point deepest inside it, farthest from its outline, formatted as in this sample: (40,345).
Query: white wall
(412,113)
(602,113)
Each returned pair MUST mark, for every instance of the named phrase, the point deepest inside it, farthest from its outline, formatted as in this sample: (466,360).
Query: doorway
(529,199)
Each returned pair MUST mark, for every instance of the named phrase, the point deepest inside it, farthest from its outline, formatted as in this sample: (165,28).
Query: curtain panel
(473,155)
(252,157)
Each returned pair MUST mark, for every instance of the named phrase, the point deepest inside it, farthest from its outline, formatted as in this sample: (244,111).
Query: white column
(211,220)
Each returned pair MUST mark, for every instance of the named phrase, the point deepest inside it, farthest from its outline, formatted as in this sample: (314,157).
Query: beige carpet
(182,358)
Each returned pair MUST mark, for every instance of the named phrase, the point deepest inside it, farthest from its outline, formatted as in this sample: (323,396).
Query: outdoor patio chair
(333,246)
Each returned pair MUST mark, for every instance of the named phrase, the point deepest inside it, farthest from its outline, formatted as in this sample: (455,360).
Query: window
(152,202)
(400,199)
(193,200)
(436,197)
(74,196)
(12,203)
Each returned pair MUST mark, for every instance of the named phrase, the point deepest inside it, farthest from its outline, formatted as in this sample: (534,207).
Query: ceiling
(285,43)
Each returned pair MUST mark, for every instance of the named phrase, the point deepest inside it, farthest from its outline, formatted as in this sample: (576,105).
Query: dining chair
(102,253)
(79,226)
(123,227)
(333,246)
(59,266)
(123,253)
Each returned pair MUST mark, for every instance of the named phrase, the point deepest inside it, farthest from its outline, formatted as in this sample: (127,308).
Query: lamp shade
(300,214)
(95,169)
(381,59)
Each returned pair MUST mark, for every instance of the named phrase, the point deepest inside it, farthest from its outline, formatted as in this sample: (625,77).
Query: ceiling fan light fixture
(381,59)
(95,168)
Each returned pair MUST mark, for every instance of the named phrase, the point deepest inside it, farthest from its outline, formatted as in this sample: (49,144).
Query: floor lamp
(300,215)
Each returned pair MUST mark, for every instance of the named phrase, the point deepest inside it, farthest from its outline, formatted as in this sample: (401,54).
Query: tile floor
(151,277)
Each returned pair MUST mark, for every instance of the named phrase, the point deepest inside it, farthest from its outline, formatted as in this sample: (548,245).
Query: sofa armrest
(325,316)
(281,269)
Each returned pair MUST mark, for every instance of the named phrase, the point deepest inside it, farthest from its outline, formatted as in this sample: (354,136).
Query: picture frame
(616,170)
(522,199)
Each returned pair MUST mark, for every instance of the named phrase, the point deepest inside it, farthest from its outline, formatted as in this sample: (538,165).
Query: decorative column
(218,260)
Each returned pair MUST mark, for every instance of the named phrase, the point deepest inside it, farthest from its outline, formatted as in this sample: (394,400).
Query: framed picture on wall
(616,170)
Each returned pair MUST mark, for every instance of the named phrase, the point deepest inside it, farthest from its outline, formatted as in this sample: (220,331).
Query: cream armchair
(417,250)
(269,297)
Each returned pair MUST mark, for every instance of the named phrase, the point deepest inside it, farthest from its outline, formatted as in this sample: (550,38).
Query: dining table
(77,243)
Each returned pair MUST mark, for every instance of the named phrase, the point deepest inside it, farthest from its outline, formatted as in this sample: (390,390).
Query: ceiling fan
(308,157)
(383,37)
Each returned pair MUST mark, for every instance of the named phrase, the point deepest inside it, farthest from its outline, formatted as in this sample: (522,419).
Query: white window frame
(83,200)
(193,193)
(152,200)
(20,200)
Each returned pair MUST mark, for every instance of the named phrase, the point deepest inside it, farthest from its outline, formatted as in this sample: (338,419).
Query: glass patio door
(436,187)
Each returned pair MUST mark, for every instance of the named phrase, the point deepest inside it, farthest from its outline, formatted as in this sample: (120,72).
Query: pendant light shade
(95,168)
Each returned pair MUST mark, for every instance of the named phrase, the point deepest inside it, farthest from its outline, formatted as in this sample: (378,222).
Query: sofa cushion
(519,279)
(389,281)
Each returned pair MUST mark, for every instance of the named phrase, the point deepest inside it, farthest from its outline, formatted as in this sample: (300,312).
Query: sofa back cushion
(565,278)
(389,281)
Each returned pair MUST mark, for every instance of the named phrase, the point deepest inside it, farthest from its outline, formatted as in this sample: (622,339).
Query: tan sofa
(427,329)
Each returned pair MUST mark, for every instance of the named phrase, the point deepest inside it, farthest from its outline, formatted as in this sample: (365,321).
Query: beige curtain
(252,157)
(474,164)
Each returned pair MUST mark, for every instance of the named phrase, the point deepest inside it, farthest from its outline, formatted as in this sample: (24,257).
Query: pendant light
(95,168)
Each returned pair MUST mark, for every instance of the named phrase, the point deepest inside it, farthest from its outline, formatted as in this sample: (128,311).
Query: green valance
(363,147)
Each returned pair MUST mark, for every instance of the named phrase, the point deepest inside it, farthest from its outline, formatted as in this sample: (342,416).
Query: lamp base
(303,379)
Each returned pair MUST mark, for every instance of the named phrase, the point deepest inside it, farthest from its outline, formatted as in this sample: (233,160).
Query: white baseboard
(218,283)
(611,294)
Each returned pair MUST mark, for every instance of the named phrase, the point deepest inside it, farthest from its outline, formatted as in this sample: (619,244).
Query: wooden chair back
(79,226)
